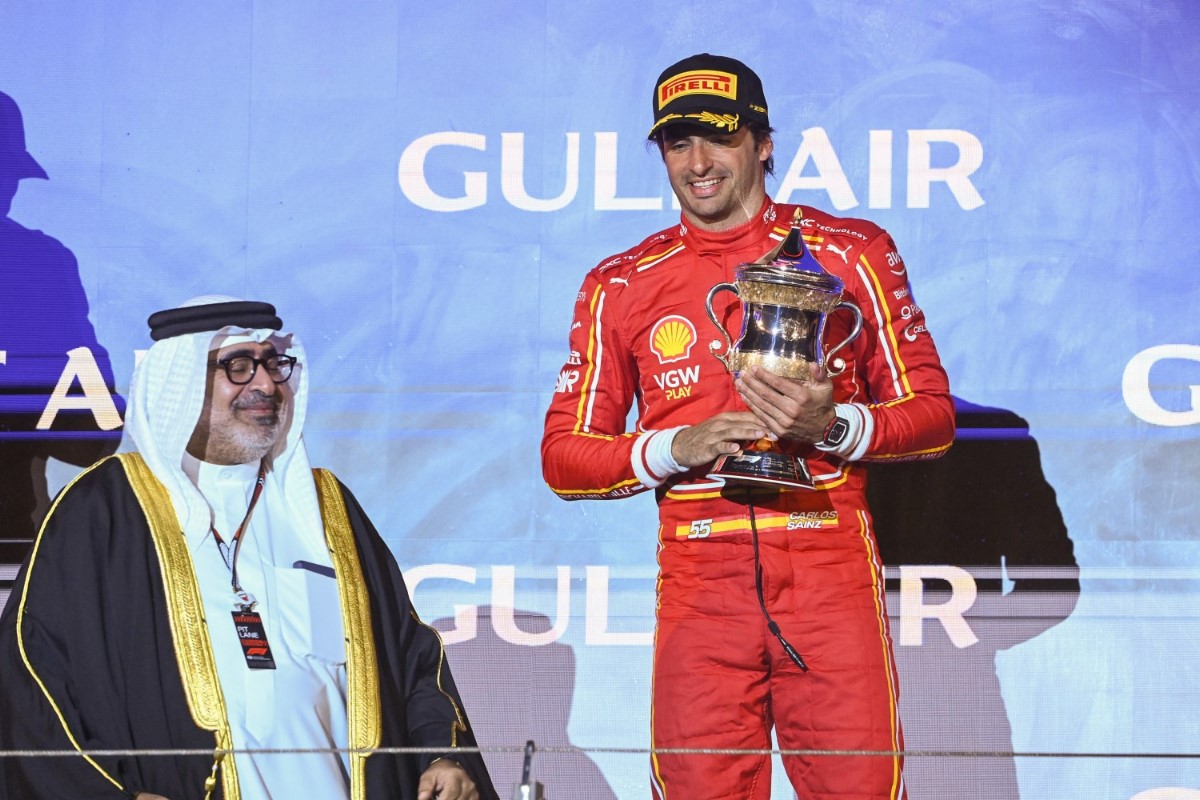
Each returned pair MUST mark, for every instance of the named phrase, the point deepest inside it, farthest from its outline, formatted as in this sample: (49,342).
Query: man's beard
(245,443)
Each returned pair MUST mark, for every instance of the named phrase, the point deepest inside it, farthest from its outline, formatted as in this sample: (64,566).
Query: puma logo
(841,252)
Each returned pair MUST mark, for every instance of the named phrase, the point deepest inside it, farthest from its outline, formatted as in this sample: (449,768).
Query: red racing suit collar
(748,233)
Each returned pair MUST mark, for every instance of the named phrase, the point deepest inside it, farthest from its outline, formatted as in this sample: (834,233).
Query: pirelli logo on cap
(698,81)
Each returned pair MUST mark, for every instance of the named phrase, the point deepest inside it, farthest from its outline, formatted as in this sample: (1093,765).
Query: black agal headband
(213,317)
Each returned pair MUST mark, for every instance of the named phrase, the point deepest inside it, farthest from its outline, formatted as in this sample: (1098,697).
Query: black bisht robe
(89,616)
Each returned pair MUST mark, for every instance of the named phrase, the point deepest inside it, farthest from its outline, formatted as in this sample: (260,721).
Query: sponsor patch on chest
(672,338)
(677,383)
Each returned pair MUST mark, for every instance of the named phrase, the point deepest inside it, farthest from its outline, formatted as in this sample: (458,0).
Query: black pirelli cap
(717,92)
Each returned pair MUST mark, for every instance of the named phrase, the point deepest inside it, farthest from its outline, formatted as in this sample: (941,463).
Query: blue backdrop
(420,188)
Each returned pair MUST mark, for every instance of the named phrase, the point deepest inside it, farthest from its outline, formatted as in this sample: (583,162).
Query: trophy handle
(858,323)
(708,301)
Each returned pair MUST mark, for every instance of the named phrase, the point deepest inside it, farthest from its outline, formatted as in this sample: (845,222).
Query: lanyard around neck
(236,541)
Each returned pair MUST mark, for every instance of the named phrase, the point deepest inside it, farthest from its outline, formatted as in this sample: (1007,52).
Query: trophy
(786,297)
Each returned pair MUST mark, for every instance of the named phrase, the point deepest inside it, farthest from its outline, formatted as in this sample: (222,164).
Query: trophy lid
(792,264)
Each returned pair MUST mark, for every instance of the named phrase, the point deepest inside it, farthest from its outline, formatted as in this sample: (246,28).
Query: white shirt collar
(202,472)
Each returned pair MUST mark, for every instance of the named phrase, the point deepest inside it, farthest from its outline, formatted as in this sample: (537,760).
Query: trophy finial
(794,253)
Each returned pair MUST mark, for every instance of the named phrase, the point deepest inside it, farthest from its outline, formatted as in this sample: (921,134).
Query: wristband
(651,457)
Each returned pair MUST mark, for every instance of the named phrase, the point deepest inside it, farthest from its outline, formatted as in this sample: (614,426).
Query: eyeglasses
(241,369)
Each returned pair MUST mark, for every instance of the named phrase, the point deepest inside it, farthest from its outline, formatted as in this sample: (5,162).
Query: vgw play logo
(936,163)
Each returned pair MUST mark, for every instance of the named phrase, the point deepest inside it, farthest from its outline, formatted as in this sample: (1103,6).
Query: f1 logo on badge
(1135,386)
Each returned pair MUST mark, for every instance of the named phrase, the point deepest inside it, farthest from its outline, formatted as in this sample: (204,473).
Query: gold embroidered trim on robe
(460,724)
(21,633)
(363,711)
(189,627)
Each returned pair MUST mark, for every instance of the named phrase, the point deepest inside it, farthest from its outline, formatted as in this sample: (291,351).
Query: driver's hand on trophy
(787,407)
(723,434)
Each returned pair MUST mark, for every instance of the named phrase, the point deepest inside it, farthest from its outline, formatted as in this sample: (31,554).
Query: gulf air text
(440,171)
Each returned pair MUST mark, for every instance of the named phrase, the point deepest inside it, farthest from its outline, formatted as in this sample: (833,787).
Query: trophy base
(770,468)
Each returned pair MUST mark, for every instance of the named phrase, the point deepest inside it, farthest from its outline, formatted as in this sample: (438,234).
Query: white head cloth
(166,396)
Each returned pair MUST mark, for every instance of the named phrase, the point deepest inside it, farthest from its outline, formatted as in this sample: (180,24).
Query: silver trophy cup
(786,298)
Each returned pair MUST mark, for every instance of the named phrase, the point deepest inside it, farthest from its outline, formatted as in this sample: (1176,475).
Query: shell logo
(672,338)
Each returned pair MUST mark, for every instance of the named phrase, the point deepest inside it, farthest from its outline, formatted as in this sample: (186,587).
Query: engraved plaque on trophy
(786,298)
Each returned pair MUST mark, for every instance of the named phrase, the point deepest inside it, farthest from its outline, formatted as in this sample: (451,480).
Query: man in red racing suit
(722,679)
